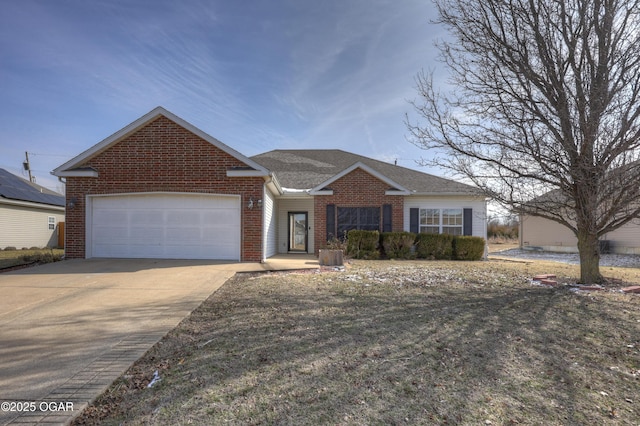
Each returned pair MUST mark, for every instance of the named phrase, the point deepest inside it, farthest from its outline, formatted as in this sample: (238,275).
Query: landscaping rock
(590,287)
(543,277)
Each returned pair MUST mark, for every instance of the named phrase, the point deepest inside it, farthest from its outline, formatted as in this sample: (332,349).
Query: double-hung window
(430,221)
(441,221)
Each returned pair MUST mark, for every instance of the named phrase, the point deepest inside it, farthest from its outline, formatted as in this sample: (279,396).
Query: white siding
(478,206)
(270,234)
(294,205)
(625,239)
(24,226)
(545,234)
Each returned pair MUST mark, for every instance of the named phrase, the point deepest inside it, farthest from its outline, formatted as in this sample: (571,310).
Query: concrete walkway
(68,329)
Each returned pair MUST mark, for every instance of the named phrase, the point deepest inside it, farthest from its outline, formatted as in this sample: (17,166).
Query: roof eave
(22,203)
(397,192)
(321,192)
(448,194)
(76,173)
(247,173)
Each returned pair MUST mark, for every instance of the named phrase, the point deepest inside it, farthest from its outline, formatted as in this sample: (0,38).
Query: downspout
(521,230)
(265,236)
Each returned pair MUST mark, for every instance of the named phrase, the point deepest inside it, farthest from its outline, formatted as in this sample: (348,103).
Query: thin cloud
(257,75)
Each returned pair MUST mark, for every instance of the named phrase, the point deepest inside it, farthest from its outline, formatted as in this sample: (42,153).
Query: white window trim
(441,226)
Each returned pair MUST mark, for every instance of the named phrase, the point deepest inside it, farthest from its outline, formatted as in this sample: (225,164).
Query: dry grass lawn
(394,342)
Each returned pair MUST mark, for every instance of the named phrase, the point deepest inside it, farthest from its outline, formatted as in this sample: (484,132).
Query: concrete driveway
(68,329)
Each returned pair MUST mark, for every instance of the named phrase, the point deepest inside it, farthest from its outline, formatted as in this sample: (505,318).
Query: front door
(298,231)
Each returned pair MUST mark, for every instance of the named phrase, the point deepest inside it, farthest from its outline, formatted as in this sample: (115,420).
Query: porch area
(291,261)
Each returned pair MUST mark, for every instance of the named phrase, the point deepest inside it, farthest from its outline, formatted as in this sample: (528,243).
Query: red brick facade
(356,189)
(164,157)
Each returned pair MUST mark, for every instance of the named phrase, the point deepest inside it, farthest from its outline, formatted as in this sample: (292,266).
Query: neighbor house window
(52,222)
(441,221)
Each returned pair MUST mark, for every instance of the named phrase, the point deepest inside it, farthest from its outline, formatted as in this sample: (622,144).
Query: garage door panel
(166,226)
(112,250)
(184,235)
(147,218)
(110,216)
(145,236)
(221,215)
(183,217)
(218,235)
(111,234)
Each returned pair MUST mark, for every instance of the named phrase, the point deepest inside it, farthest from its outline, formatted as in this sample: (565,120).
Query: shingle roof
(307,168)
(13,187)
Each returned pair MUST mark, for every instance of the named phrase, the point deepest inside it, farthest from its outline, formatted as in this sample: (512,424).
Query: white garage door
(165,226)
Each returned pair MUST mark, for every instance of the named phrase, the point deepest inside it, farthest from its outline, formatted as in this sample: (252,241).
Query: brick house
(161,188)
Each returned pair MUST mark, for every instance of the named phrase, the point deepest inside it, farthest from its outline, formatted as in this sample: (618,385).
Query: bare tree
(544,114)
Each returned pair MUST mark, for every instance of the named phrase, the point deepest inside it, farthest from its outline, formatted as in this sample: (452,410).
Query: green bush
(468,248)
(42,257)
(397,245)
(434,246)
(363,244)
(10,248)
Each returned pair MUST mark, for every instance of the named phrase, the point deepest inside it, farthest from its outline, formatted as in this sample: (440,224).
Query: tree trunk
(588,246)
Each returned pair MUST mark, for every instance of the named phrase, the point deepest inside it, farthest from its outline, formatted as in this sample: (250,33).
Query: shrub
(42,257)
(34,248)
(397,245)
(508,231)
(10,248)
(468,248)
(336,244)
(363,244)
(434,246)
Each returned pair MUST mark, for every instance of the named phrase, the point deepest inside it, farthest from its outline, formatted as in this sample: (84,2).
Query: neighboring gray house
(29,213)
(537,233)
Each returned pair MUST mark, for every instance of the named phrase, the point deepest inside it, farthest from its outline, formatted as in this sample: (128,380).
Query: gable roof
(73,166)
(13,187)
(394,187)
(310,168)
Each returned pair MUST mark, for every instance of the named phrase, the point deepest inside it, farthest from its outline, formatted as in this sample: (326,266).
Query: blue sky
(257,75)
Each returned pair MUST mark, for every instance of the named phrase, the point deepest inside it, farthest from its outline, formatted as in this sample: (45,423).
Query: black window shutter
(414,217)
(331,221)
(467,222)
(387,224)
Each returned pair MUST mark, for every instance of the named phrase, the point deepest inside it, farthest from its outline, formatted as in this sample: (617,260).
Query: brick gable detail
(356,189)
(164,157)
